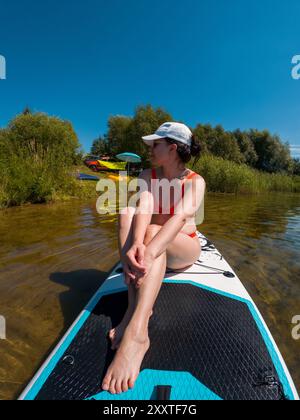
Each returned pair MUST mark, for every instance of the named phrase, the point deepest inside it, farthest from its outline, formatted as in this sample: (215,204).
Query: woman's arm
(166,235)
(144,210)
(140,224)
(186,208)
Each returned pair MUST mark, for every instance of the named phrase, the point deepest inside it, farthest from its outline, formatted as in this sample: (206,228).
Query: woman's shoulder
(194,174)
(197,177)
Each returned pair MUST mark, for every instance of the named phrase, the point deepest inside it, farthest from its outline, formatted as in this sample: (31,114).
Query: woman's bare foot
(124,369)
(116,334)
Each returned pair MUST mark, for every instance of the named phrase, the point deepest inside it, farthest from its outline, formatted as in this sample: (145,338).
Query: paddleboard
(208,342)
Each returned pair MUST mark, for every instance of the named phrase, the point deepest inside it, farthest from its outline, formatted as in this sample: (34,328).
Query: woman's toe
(125,385)
(131,383)
(119,386)
(106,383)
(112,388)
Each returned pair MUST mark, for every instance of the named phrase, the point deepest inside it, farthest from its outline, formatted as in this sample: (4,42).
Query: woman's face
(160,152)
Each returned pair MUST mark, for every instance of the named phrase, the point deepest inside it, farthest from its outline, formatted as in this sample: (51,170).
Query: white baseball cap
(173,130)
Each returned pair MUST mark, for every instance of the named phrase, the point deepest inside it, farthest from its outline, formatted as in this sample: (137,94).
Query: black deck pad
(213,337)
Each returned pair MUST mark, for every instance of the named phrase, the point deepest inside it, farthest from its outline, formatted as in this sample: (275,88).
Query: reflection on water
(54,257)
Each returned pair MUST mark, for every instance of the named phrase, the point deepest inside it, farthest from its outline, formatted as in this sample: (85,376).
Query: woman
(150,242)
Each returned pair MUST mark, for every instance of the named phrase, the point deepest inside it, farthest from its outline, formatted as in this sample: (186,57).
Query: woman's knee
(182,252)
(151,231)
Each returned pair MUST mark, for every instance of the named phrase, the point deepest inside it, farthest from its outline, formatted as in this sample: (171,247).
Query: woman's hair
(185,151)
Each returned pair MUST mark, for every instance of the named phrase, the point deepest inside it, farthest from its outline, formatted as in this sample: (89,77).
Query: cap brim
(150,139)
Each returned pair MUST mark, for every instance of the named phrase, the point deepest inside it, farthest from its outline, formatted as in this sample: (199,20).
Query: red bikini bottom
(192,235)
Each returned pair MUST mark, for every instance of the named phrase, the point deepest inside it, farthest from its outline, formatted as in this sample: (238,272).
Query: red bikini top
(182,190)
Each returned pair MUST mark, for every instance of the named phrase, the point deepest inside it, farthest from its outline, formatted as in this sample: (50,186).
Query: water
(54,257)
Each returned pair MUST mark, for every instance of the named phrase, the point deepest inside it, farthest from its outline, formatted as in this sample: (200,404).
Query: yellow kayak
(118,166)
(117,177)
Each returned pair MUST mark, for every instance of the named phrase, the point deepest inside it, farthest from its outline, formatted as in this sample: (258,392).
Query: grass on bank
(32,181)
(229,177)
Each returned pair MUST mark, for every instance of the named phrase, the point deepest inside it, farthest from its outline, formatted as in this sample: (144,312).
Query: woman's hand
(128,272)
(148,262)
(133,262)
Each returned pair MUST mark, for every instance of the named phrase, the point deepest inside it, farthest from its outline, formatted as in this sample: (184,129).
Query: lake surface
(54,257)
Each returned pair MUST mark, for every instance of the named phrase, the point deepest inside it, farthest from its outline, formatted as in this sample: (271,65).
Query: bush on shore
(229,177)
(37,154)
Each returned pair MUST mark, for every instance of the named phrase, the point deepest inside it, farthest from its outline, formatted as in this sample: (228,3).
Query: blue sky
(211,61)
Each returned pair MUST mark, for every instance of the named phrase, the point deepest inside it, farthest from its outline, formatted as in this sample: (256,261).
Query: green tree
(296,166)
(218,142)
(37,154)
(40,136)
(246,147)
(100,147)
(273,155)
(117,133)
(27,110)
(223,144)
(204,134)
(226,147)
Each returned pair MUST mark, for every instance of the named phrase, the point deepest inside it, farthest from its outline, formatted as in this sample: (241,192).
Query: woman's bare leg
(125,237)
(125,242)
(124,370)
